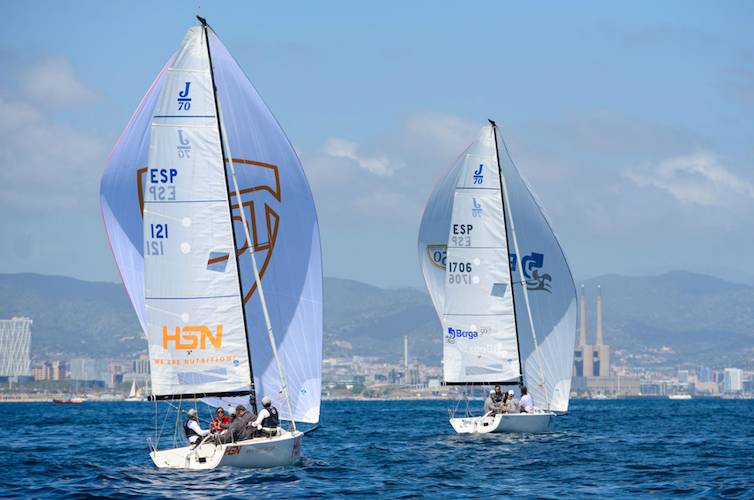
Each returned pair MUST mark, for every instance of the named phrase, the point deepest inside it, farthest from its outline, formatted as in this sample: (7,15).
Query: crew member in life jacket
(498,397)
(194,432)
(268,419)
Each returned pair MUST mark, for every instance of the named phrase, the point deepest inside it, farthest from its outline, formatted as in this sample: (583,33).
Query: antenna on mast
(202,20)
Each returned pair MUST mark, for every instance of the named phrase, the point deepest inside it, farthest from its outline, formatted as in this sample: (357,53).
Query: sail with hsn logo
(498,278)
(213,227)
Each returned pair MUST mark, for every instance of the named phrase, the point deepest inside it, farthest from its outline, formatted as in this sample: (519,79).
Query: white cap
(492,391)
(266,401)
(191,412)
(511,392)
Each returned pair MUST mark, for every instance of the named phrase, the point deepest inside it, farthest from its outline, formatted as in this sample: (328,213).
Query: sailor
(526,405)
(490,407)
(497,397)
(221,421)
(194,432)
(268,419)
(511,404)
(238,430)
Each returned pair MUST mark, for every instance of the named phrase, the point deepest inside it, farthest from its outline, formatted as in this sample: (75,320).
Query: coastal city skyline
(400,376)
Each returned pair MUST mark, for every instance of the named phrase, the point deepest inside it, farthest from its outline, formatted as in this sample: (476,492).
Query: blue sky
(632,122)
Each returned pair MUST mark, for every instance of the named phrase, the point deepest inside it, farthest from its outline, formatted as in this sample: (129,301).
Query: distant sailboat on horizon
(214,230)
(501,287)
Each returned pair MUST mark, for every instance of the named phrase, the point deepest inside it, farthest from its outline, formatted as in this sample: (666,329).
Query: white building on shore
(15,347)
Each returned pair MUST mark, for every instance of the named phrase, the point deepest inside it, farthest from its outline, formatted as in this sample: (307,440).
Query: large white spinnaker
(278,204)
(551,294)
(463,252)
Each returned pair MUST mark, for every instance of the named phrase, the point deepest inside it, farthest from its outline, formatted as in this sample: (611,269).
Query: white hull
(263,452)
(513,422)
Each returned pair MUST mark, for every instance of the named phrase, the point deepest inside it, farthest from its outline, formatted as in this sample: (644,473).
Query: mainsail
(464,256)
(171,161)
(467,257)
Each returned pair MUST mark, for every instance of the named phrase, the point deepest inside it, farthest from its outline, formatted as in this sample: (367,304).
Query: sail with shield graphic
(498,278)
(214,230)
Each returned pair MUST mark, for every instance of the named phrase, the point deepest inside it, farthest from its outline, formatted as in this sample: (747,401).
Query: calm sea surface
(399,449)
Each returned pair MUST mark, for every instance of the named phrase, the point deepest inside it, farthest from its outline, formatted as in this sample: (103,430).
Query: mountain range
(677,317)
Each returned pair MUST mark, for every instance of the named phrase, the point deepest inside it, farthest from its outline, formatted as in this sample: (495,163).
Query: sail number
(155,245)
(161,186)
(159,231)
(459,273)
(461,236)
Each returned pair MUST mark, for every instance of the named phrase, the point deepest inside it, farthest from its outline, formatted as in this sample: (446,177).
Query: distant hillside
(700,318)
(373,321)
(72,317)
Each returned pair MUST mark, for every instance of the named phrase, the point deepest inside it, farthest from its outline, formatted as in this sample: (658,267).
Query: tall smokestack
(600,338)
(582,318)
(405,352)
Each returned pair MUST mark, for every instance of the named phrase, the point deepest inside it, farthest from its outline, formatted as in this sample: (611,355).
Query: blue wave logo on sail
(531,265)
(457,333)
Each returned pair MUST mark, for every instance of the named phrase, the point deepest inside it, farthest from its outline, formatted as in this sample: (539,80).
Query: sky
(631,122)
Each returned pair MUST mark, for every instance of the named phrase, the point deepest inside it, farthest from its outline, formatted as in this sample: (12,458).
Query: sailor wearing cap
(511,404)
(192,429)
(490,406)
(268,419)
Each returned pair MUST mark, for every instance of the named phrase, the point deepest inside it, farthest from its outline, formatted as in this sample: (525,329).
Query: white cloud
(53,81)
(341,148)
(45,165)
(698,179)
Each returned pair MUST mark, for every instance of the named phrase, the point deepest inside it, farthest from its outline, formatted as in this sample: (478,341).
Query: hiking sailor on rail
(268,419)
(193,430)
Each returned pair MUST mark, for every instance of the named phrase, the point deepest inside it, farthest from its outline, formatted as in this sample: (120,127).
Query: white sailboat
(135,393)
(214,230)
(501,287)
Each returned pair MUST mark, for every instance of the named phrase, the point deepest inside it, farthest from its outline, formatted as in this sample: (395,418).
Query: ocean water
(399,449)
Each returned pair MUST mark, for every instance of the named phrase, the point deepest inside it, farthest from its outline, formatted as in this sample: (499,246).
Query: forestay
(463,254)
(551,294)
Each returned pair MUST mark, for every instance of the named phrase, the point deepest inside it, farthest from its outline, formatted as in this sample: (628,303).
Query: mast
(225,146)
(504,194)
(252,393)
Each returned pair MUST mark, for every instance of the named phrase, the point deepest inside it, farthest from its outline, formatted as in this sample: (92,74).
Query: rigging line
(521,275)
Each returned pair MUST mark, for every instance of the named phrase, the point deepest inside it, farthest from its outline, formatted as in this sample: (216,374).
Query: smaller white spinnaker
(550,295)
(498,280)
